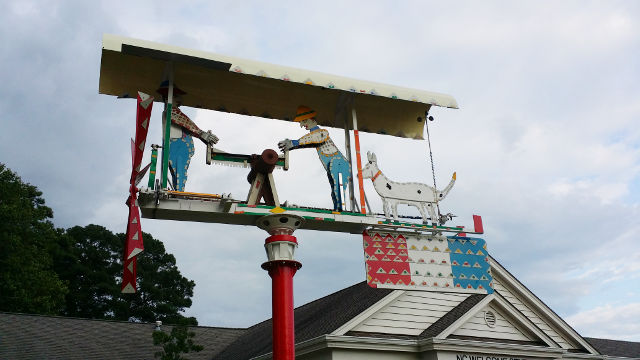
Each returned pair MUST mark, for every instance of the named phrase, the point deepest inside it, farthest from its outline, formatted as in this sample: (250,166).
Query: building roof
(52,337)
(314,319)
(24,336)
(616,347)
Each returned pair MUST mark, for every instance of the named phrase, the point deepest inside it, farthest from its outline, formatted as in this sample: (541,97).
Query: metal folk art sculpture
(335,164)
(401,255)
(422,196)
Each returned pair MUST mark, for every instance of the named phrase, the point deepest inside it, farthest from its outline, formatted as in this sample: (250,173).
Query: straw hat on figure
(337,167)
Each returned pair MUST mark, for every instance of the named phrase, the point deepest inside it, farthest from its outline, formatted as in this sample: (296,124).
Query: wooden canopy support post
(356,137)
(166,131)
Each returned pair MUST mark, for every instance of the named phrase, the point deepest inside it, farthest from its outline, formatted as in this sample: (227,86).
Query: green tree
(90,260)
(163,293)
(179,341)
(27,281)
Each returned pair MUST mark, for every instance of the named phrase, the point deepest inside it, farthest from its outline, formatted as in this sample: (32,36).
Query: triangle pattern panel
(391,268)
(427,262)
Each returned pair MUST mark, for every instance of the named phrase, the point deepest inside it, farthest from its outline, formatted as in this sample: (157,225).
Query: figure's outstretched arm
(180,119)
(312,139)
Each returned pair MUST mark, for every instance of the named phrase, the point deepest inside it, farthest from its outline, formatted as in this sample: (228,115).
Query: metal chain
(433,170)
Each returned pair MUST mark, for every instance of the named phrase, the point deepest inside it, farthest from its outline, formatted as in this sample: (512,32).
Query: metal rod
(167,129)
(347,145)
(433,170)
(356,136)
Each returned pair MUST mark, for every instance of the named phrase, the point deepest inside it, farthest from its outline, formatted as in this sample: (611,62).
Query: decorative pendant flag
(145,104)
(134,244)
(129,276)
(427,262)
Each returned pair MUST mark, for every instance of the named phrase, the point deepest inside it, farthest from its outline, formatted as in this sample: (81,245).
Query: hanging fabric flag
(134,244)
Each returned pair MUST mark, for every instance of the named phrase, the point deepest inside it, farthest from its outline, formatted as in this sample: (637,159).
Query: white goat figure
(422,196)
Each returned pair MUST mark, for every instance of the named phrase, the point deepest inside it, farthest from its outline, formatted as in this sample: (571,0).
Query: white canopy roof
(224,83)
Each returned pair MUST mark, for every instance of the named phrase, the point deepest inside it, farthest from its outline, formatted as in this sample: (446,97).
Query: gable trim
(550,316)
(349,325)
(464,318)
(504,306)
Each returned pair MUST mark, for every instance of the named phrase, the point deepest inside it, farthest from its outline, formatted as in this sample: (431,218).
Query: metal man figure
(181,142)
(337,167)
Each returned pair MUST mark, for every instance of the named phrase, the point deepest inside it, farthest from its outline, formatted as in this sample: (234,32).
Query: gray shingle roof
(616,347)
(52,337)
(314,319)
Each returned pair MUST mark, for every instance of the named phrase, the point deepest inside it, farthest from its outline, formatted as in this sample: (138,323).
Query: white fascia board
(433,344)
(577,356)
(367,313)
(553,319)
(484,346)
(419,346)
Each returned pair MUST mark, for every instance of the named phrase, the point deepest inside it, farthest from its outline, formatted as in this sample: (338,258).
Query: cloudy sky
(546,142)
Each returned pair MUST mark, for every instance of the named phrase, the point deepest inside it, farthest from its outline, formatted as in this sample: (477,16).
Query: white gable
(481,325)
(408,313)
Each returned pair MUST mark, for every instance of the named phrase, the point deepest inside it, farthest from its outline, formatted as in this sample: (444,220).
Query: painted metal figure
(422,196)
(181,147)
(336,165)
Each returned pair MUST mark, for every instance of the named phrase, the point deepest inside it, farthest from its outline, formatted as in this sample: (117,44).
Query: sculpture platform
(212,208)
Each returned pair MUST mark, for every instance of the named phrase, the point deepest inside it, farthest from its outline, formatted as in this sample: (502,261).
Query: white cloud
(610,321)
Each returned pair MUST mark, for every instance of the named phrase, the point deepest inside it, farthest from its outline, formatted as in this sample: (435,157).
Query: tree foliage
(77,272)
(89,260)
(92,265)
(162,290)
(179,341)
(27,281)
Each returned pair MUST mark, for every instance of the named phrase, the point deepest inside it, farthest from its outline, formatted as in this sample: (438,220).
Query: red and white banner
(134,244)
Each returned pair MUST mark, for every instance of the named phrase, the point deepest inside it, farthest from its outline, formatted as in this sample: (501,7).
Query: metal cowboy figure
(337,167)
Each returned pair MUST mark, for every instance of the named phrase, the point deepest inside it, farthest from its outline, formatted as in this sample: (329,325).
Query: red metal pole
(280,248)
(282,273)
